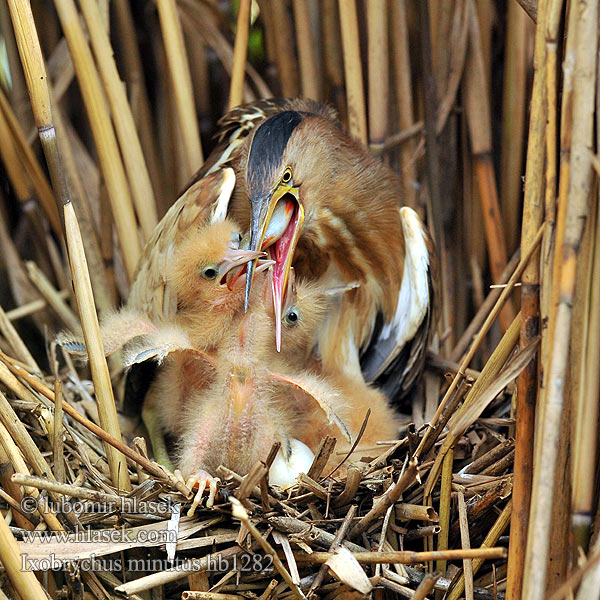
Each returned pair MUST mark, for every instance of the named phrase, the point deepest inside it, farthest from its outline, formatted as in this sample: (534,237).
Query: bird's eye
(209,272)
(292,317)
(287,176)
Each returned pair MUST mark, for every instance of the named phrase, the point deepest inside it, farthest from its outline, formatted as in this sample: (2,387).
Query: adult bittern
(316,198)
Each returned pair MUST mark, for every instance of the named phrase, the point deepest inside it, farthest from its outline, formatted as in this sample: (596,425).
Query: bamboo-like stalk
(527,383)
(332,51)
(125,30)
(240,49)
(309,74)
(104,136)
(404,94)
(479,121)
(36,80)
(107,410)
(513,120)
(378,70)
(129,142)
(577,209)
(283,35)
(25,581)
(355,95)
(182,84)
(31,165)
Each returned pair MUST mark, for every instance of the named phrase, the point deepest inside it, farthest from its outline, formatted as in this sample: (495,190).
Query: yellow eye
(287,176)
(209,272)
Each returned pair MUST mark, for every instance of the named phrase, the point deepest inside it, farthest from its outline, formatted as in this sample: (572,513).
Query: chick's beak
(235,258)
(276,223)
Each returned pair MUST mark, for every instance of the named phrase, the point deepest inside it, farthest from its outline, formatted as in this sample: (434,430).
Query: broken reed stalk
(104,136)
(122,116)
(378,71)
(181,80)
(577,210)
(25,582)
(283,35)
(480,132)
(240,50)
(513,120)
(307,48)
(527,386)
(355,95)
(35,70)
(57,433)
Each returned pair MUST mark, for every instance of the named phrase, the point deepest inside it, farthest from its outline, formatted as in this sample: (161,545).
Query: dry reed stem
(409,557)
(482,332)
(25,582)
(378,71)
(125,31)
(31,165)
(283,35)
(57,433)
(32,307)
(182,85)
(107,410)
(513,120)
(355,95)
(103,132)
(479,121)
(14,339)
(536,565)
(533,214)
(307,49)
(466,544)
(122,117)
(49,292)
(151,467)
(404,94)
(240,49)
(445,501)
(490,539)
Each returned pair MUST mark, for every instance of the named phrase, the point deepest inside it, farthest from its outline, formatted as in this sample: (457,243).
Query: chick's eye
(292,316)
(209,272)
(287,176)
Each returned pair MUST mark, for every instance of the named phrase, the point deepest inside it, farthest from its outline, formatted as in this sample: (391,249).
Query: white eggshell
(284,472)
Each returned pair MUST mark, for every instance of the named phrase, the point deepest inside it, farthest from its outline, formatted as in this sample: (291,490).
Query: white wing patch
(413,298)
(219,211)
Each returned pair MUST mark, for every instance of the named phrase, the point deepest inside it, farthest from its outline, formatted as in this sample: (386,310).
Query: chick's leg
(153,423)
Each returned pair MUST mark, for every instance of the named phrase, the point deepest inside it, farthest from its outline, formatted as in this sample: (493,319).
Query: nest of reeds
(491,489)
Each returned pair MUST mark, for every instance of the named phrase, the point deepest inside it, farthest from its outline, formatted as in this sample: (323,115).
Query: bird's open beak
(236,258)
(276,224)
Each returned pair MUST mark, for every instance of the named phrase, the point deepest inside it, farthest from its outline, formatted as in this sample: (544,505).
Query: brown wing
(203,202)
